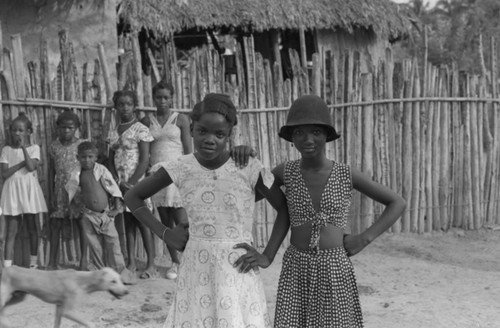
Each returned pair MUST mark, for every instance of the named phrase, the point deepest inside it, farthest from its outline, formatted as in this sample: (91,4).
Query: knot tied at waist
(320,220)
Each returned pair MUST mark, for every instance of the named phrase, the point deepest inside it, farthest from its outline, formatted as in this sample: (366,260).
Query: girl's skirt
(212,293)
(22,194)
(317,290)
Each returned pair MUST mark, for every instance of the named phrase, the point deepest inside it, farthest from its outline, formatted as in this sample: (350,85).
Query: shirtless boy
(99,191)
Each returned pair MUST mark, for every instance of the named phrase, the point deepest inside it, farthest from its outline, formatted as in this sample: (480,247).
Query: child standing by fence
(98,190)
(219,199)
(63,155)
(129,160)
(22,197)
(172,139)
(317,286)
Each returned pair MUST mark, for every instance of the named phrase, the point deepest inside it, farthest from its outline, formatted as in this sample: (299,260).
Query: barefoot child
(63,155)
(317,286)
(219,200)
(22,197)
(98,189)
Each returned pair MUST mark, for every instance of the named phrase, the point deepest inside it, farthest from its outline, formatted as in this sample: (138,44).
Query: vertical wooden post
(444,147)
(458,144)
(67,74)
(139,87)
(44,71)
(416,160)
(366,212)
(427,126)
(303,52)
(154,67)
(316,75)
(467,198)
(250,66)
(437,153)
(105,72)
(1,48)
(474,155)
(277,54)
(494,117)
(2,135)
(18,61)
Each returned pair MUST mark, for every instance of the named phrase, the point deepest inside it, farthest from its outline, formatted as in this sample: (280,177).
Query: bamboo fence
(430,134)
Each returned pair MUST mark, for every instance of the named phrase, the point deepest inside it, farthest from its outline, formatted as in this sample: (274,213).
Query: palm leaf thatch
(166,17)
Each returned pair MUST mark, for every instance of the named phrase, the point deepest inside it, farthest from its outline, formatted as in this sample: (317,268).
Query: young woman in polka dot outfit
(219,198)
(317,286)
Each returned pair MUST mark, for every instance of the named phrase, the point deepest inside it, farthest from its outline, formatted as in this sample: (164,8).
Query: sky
(431,2)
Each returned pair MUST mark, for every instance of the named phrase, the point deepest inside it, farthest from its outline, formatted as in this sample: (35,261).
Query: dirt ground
(407,280)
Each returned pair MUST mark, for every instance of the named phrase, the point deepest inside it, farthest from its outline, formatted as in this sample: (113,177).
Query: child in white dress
(219,198)
(22,197)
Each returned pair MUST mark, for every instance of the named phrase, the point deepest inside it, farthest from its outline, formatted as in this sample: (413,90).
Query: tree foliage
(453,29)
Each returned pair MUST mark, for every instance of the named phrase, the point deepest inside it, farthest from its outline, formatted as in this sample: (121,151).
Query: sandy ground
(406,280)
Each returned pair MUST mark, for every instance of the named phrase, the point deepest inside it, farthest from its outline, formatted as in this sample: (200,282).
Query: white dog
(63,288)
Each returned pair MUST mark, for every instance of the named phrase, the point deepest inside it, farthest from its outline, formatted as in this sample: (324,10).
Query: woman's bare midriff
(330,236)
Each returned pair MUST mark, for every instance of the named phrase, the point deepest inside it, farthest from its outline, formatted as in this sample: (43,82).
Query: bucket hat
(308,110)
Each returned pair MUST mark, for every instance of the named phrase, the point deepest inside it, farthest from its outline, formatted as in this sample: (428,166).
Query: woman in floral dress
(129,160)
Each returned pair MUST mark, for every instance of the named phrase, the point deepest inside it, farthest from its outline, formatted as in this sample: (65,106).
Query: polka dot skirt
(317,289)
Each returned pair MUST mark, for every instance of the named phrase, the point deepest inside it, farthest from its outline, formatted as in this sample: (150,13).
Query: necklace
(125,123)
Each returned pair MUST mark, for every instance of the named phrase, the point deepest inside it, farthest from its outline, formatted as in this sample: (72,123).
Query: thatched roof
(165,17)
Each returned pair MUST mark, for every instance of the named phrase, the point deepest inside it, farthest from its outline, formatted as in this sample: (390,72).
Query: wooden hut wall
(432,138)
(371,47)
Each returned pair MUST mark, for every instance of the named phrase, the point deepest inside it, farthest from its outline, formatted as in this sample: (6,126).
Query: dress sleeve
(172,168)
(256,169)
(34,152)
(143,134)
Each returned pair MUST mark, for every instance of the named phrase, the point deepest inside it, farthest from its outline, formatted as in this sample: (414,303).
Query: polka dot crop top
(334,204)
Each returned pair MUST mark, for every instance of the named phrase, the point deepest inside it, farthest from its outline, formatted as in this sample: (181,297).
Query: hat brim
(286,132)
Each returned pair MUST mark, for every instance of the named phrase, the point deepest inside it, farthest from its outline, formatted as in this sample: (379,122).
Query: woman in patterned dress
(317,286)
(129,160)
(63,214)
(219,199)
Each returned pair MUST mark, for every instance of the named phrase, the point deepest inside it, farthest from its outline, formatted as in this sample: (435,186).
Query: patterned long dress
(220,205)
(64,157)
(126,148)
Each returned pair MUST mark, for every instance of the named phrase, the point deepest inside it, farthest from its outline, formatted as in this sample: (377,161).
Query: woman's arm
(146,121)
(143,163)
(184,126)
(111,164)
(394,207)
(134,199)
(7,171)
(31,163)
(277,199)
(146,188)
(52,179)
